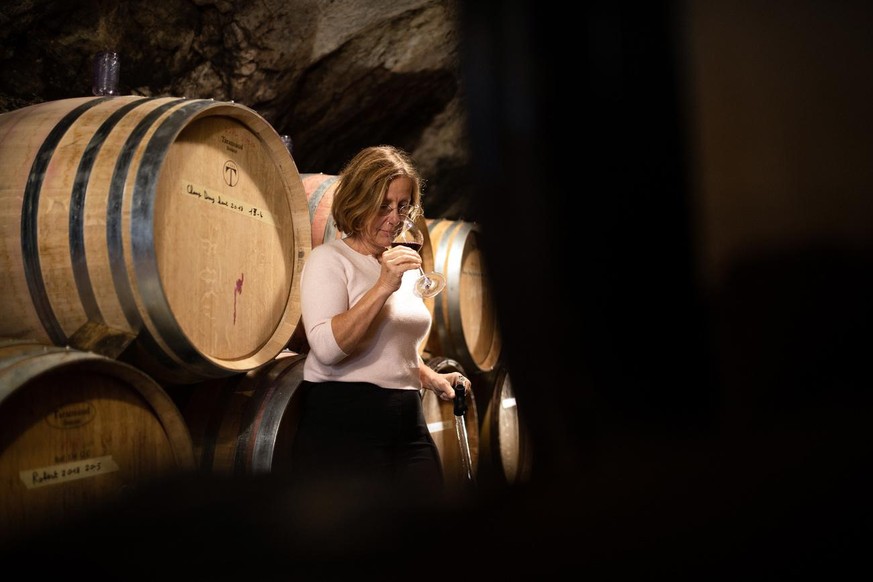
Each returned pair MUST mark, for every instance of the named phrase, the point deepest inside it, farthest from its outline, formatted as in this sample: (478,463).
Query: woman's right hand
(396,261)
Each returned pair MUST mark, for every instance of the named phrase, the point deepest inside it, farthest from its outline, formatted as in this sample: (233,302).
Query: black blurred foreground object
(717,512)
(713,436)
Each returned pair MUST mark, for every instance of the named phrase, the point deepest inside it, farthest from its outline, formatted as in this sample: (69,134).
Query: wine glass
(409,235)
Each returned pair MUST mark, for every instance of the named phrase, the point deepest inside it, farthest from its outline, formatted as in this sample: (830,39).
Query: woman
(361,415)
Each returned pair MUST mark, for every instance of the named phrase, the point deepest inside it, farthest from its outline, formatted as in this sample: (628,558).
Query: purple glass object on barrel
(106,67)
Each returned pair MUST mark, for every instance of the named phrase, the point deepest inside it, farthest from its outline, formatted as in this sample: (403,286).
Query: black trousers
(356,433)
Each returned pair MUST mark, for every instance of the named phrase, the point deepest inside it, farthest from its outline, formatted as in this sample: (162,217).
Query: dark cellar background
(334,76)
(676,197)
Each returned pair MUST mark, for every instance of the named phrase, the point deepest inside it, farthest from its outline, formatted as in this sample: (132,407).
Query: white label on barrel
(62,472)
(438,426)
(507,403)
(224,201)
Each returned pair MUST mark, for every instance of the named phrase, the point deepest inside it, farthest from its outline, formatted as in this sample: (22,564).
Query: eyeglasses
(402,210)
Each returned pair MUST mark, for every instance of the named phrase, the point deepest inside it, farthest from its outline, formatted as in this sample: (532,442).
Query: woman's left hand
(444,385)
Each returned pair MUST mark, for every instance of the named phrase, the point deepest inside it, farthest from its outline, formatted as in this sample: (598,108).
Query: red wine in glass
(412,245)
(409,235)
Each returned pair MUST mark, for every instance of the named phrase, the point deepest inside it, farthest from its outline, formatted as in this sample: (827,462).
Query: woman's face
(384,223)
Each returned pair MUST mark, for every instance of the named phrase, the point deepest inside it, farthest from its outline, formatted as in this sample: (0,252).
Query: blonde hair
(362,185)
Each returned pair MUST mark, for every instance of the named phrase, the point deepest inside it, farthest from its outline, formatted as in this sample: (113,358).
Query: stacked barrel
(151,254)
(146,243)
(466,332)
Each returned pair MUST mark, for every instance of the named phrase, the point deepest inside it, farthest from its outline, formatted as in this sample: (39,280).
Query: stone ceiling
(334,76)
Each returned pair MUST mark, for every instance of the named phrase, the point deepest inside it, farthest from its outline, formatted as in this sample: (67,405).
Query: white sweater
(334,278)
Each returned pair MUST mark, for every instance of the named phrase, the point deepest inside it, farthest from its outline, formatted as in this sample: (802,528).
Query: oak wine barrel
(440,418)
(245,424)
(465,317)
(505,449)
(319,189)
(168,232)
(78,431)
